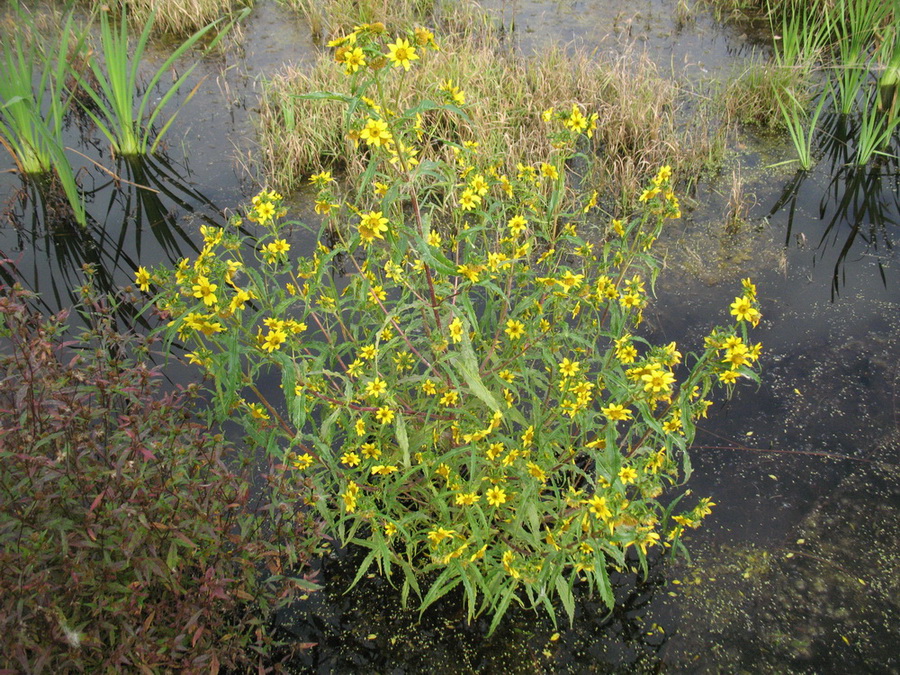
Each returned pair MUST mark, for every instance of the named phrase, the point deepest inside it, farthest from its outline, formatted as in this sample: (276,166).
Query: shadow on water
(141,217)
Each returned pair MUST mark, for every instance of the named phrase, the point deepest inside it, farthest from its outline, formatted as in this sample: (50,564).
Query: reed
(800,36)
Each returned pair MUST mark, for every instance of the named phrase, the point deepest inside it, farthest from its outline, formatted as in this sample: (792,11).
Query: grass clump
(504,98)
(180,17)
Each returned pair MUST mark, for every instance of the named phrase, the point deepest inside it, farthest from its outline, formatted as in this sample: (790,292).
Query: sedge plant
(800,124)
(464,390)
(122,114)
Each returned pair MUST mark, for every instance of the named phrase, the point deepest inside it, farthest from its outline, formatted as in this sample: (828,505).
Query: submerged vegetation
(464,391)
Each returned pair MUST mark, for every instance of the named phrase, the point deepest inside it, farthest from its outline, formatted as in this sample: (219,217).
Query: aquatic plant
(464,393)
(876,128)
(34,101)
(853,25)
(801,125)
(800,34)
(124,115)
(129,538)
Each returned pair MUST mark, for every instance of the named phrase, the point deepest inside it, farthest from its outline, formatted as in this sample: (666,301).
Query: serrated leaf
(467,366)
(402,438)
(566,597)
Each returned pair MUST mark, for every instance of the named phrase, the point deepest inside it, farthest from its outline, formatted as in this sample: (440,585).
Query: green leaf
(564,591)
(402,438)
(467,366)
(501,607)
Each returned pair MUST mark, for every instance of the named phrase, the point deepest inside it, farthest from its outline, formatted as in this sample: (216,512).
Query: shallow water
(795,570)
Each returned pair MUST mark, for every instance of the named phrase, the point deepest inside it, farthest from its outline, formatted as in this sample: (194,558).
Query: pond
(797,568)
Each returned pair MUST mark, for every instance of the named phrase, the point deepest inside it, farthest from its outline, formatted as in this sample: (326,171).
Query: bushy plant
(130,537)
(463,390)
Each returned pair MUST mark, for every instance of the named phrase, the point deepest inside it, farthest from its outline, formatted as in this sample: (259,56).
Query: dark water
(796,570)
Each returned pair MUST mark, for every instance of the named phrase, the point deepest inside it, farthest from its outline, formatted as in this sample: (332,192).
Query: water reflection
(137,214)
(367,630)
(859,207)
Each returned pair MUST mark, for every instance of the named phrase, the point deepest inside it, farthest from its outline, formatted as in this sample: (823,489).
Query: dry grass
(180,17)
(751,98)
(505,97)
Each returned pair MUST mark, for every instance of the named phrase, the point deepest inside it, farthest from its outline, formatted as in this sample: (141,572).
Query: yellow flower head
(514,329)
(142,279)
(400,53)
(372,226)
(496,496)
(456,330)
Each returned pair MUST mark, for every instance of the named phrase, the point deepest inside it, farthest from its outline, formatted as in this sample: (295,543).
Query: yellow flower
(437,535)
(549,171)
(627,475)
(479,185)
(142,279)
(729,376)
(257,411)
(599,508)
(376,387)
(425,38)
(321,179)
(616,412)
(742,308)
(273,340)
(456,330)
(469,199)
(454,94)
(360,427)
(368,352)
(569,368)
(383,470)
(517,225)
(371,226)
(434,239)
(384,415)
(496,496)
(370,451)
(206,291)
(401,53)
(353,59)
(301,462)
(355,368)
(428,387)
(514,329)
(467,498)
(450,398)
(350,459)
(495,450)
(375,132)
(657,380)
